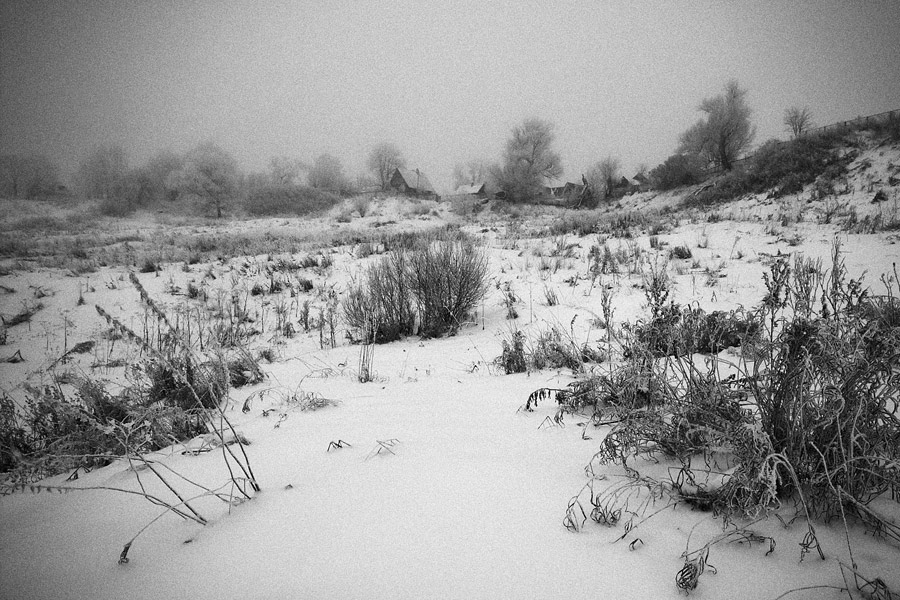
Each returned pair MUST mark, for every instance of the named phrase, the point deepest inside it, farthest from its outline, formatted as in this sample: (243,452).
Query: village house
(567,190)
(478,190)
(412,182)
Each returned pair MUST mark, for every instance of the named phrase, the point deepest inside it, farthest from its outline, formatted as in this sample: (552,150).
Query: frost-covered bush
(428,286)
(447,278)
(380,310)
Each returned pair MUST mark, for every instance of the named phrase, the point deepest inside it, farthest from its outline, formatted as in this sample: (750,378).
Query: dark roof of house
(415,180)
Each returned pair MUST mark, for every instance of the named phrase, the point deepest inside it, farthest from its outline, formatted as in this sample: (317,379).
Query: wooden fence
(857,123)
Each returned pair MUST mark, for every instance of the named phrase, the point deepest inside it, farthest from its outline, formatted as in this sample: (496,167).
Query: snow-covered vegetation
(683,391)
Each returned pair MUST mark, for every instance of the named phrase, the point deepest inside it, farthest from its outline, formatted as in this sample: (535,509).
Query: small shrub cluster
(58,431)
(881,221)
(602,261)
(550,349)
(512,359)
(578,223)
(411,240)
(623,224)
(182,383)
(76,422)
(172,398)
(681,252)
(510,299)
(429,289)
(682,331)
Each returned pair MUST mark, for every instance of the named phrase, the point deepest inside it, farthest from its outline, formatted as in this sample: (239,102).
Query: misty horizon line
(68,177)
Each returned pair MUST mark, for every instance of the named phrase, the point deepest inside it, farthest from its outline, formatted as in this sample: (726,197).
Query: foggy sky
(444,83)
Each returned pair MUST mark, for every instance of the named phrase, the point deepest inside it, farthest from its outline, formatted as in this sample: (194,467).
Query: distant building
(572,190)
(478,190)
(565,190)
(638,183)
(412,182)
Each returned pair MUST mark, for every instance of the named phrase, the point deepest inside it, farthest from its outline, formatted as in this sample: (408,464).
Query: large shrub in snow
(435,283)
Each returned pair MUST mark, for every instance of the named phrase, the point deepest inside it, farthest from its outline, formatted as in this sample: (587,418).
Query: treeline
(530,161)
(718,142)
(207,178)
(31,176)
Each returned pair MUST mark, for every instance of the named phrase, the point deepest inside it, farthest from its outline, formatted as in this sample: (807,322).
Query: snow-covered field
(444,488)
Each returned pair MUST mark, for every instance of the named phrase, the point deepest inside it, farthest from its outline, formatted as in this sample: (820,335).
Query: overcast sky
(443,81)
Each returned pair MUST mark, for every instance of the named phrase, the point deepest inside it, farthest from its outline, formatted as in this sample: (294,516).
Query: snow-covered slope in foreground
(469,505)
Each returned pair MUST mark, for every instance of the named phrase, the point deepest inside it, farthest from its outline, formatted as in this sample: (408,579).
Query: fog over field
(444,83)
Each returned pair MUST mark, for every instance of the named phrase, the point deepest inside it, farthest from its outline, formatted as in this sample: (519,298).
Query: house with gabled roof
(412,182)
(479,190)
(564,190)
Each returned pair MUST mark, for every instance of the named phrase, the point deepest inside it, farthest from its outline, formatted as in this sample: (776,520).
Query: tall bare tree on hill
(605,174)
(725,132)
(798,120)
(327,173)
(529,160)
(383,159)
(210,174)
(474,171)
(101,174)
(157,171)
(284,170)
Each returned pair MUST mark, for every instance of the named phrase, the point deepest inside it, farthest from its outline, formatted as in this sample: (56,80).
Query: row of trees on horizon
(722,134)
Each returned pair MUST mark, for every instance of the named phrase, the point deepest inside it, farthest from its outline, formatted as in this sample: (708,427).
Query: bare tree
(209,174)
(725,131)
(529,160)
(327,173)
(105,174)
(255,181)
(605,174)
(798,120)
(27,176)
(284,170)
(158,169)
(383,159)
(101,173)
(459,176)
(365,181)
